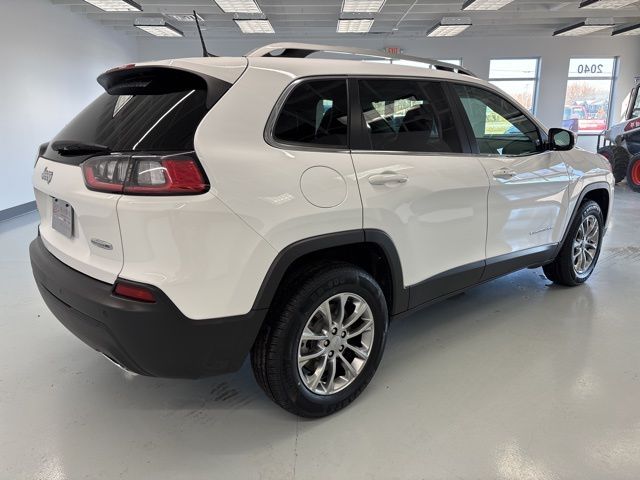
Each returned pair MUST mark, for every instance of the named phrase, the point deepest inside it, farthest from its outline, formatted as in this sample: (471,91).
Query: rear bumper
(153,339)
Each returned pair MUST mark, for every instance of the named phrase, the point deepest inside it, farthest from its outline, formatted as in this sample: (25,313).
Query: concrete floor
(516,379)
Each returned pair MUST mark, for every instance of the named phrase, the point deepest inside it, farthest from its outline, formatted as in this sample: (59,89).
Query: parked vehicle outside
(202,210)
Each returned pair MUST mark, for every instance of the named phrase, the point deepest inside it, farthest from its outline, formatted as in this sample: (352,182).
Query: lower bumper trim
(153,339)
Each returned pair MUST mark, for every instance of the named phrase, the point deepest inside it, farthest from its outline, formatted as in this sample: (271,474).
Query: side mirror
(561,139)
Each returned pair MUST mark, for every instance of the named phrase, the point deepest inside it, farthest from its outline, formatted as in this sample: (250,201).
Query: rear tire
(581,249)
(321,305)
(618,158)
(633,173)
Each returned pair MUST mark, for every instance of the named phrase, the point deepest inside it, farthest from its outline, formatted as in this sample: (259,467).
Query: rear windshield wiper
(70,148)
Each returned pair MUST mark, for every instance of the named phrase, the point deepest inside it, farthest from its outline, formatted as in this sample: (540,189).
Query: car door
(417,183)
(528,183)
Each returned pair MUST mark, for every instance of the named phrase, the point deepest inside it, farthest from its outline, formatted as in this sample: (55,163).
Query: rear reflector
(134,292)
(145,175)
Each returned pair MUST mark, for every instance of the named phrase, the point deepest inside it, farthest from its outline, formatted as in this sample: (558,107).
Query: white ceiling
(318,18)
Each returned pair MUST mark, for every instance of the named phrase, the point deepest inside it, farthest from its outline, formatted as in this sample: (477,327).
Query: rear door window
(407,115)
(315,114)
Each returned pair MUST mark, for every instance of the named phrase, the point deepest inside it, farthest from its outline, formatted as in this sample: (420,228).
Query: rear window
(131,120)
(315,114)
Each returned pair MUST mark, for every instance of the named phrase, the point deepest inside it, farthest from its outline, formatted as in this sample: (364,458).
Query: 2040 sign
(594,68)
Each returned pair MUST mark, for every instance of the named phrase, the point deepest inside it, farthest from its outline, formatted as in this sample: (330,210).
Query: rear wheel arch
(372,250)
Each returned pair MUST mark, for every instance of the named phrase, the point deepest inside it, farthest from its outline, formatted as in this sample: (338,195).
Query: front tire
(633,173)
(581,249)
(618,159)
(322,341)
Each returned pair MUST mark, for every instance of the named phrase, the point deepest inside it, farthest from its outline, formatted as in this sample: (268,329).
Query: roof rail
(301,50)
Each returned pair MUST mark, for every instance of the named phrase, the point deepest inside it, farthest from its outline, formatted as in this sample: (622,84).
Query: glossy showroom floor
(516,379)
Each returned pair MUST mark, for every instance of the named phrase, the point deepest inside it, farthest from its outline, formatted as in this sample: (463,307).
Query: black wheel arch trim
(288,255)
(589,188)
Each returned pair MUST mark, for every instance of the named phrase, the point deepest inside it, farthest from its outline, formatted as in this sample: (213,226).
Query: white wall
(50,58)
(475,52)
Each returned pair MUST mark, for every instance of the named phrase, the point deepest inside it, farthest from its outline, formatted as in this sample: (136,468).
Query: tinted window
(498,126)
(162,122)
(636,106)
(407,115)
(315,113)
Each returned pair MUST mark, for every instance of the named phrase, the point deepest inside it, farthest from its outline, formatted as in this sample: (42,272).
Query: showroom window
(498,126)
(518,77)
(588,99)
(407,115)
(315,113)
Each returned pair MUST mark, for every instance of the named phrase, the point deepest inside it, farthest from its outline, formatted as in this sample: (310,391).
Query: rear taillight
(145,175)
(134,292)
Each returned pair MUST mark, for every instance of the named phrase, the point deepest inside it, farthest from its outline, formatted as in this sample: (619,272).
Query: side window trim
(358,133)
(471,137)
(268,134)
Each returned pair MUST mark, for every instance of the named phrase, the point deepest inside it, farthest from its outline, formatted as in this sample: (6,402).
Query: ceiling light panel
(603,4)
(116,5)
(255,26)
(362,6)
(238,6)
(584,28)
(627,30)
(184,17)
(161,30)
(354,25)
(485,4)
(157,26)
(449,27)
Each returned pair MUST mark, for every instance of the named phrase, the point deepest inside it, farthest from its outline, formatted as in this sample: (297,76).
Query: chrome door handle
(387,177)
(504,173)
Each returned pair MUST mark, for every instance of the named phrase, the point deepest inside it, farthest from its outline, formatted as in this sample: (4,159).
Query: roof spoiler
(154,80)
(302,50)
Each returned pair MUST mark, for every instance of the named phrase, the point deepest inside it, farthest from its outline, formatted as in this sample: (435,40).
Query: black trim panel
(456,280)
(444,283)
(511,262)
(153,339)
(589,188)
(297,250)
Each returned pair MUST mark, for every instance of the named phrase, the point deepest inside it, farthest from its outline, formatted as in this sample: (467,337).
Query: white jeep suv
(289,207)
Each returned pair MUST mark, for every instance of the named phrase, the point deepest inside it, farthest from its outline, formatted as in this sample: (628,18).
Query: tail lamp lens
(134,292)
(145,175)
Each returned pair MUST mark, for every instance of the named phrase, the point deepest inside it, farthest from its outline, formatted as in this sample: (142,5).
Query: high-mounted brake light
(134,292)
(121,67)
(145,175)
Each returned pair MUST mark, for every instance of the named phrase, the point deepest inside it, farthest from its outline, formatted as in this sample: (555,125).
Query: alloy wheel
(335,343)
(585,245)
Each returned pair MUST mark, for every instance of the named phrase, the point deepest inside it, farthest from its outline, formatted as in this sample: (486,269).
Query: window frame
(542,133)
(536,78)
(635,95)
(269,129)
(613,78)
